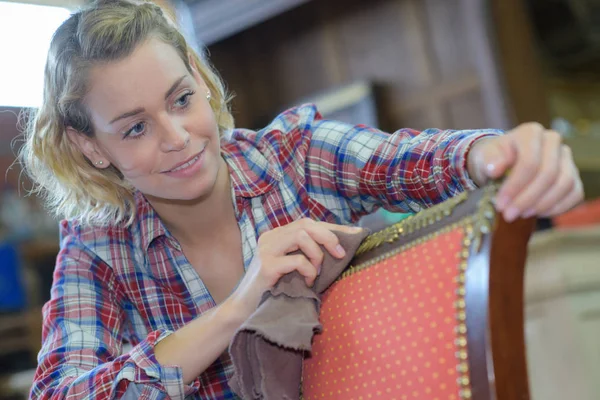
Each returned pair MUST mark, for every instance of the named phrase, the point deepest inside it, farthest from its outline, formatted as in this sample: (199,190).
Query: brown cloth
(268,349)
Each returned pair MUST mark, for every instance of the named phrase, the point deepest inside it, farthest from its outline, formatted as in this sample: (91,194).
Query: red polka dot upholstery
(390,329)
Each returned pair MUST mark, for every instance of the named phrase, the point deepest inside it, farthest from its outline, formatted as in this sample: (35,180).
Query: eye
(184,100)
(136,130)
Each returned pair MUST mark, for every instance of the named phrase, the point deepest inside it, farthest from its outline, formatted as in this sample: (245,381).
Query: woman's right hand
(273,260)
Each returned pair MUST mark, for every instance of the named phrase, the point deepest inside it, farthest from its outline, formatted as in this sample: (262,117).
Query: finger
(296,262)
(497,156)
(528,144)
(340,228)
(545,179)
(574,197)
(305,243)
(565,183)
(322,234)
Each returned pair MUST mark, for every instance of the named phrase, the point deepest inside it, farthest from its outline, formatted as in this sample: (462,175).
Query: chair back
(430,308)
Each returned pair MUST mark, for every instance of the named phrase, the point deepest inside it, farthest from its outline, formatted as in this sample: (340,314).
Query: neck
(197,222)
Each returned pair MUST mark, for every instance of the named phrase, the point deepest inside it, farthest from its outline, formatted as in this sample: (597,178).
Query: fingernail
(501,202)
(529,213)
(511,214)
(340,250)
(319,269)
(357,229)
(491,167)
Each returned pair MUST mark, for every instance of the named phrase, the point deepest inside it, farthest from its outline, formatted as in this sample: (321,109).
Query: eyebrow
(174,87)
(128,114)
(141,110)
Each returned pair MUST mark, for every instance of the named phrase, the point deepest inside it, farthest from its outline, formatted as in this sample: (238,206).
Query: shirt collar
(150,224)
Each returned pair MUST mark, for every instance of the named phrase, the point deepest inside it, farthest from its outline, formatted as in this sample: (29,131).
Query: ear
(88,147)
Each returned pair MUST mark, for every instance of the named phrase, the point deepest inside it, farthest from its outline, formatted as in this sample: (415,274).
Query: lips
(184,164)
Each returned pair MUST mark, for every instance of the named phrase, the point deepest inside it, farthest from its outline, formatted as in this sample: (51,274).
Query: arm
(411,170)
(357,168)
(216,327)
(82,334)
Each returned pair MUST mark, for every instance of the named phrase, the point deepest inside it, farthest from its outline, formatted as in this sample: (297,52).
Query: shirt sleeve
(82,337)
(353,169)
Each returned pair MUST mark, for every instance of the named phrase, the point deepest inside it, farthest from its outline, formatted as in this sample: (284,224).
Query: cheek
(134,161)
(200,118)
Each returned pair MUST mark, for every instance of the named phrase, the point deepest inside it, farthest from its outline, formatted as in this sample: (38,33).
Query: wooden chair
(431,308)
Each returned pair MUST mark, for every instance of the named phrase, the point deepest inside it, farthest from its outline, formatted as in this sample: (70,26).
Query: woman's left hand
(543,178)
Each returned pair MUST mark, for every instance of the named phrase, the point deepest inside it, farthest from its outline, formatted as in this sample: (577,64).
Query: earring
(208,96)
(99,162)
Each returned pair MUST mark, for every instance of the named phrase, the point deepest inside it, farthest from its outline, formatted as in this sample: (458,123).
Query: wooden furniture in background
(215,20)
(432,307)
(425,55)
(518,58)
(21,332)
(458,64)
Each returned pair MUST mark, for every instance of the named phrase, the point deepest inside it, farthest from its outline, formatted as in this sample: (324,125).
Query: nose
(174,135)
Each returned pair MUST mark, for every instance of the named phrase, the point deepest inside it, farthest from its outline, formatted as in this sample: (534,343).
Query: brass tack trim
(461,314)
(460,304)
(357,268)
(411,224)
(464,381)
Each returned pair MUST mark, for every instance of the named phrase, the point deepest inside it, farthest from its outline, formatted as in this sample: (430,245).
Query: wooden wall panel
(301,65)
(448,30)
(466,111)
(388,44)
(415,52)
(524,76)
(232,63)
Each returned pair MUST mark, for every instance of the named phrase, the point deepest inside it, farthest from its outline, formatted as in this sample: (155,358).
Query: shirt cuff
(168,379)
(460,154)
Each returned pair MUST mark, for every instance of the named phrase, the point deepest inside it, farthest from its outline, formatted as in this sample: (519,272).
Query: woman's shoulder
(95,240)
(106,239)
(261,157)
(87,233)
(288,122)
(295,118)
(280,139)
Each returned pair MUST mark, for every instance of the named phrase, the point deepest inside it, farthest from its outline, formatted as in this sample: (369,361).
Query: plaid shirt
(133,284)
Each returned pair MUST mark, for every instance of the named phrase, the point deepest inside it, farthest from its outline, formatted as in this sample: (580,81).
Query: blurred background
(453,64)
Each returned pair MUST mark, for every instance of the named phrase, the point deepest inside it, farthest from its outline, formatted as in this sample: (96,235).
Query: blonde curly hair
(102,32)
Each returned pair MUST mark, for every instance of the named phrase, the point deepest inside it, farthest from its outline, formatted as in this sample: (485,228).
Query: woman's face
(153,122)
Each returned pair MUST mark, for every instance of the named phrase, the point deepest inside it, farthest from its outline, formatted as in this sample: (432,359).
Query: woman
(176,223)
